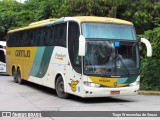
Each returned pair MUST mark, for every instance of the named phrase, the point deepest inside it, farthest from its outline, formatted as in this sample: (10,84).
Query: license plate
(115,92)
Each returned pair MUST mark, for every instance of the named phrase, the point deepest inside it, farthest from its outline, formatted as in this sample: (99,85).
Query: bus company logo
(115,84)
(60,56)
(22,53)
(73,85)
(6,114)
(104,80)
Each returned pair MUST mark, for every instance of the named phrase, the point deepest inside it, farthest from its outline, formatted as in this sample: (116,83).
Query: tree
(150,67)
(8,15)
(143,13)
(91,7)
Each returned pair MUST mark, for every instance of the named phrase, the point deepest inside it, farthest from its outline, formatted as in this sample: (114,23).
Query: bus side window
(60,34)
(73,40)
(2,56)
(50,36)
(44,38)
(18,39)
(24,38)
(31,42)
(12,39)
(27,38)
(27,43)
(37,36)
(8,40)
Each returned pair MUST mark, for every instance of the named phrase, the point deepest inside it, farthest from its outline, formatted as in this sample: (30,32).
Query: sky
(22,1)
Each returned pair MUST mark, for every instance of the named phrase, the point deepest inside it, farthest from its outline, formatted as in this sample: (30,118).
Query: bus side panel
(21,57)
(57,65)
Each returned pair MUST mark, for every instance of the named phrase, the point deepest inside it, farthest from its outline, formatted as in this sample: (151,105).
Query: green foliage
(87,7)
(150,67)
(8,14)
(143,13)
(12,15)
(91,7)
(41,9)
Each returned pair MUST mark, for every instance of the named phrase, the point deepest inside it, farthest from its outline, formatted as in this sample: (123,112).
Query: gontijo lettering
(22,53)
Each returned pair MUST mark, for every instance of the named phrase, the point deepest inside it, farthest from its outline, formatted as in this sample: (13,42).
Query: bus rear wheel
(14,75)
(20,81)
(60,88)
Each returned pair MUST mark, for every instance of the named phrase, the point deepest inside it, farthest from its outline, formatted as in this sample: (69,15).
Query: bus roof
(33,25)
(77,18)
(102,19)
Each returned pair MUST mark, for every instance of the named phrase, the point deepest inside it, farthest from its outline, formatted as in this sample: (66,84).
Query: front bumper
(106,92)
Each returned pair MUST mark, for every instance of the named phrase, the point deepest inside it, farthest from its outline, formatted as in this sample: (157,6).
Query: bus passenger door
(74,78)
(73,68)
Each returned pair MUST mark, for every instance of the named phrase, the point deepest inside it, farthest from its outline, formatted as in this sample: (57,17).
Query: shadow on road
(3,74)
(99,100)
(52,92)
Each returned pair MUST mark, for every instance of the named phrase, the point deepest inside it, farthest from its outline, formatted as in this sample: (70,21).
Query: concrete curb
(149,92)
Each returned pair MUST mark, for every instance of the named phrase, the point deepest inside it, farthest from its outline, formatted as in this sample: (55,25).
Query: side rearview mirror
(82,45)
(148,46)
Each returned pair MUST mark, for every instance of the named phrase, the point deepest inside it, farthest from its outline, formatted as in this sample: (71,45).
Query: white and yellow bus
(85,56)
(2,56)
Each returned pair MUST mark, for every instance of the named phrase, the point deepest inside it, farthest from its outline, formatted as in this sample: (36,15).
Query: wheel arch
(13,68)
(56,77)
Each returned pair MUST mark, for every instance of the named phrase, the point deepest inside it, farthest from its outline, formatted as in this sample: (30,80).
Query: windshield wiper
(125,67)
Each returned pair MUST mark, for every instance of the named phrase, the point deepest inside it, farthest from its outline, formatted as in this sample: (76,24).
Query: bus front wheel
(60,88)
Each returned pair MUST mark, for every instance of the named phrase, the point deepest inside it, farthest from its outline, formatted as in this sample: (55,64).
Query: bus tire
(60,88)
(19,79)
(14,74)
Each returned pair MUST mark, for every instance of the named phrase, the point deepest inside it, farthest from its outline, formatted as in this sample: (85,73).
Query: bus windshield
(103,58)
(110,31)
(111,50)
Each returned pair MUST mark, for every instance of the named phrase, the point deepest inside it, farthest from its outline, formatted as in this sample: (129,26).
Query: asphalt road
(32,97)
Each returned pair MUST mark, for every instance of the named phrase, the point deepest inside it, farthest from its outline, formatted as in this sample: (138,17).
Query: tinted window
(43,36)
(2,56)
(50,36)
(60,34)
(73,38)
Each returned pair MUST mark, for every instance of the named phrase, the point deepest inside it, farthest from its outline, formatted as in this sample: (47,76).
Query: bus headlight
(135,83)
(91,84)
